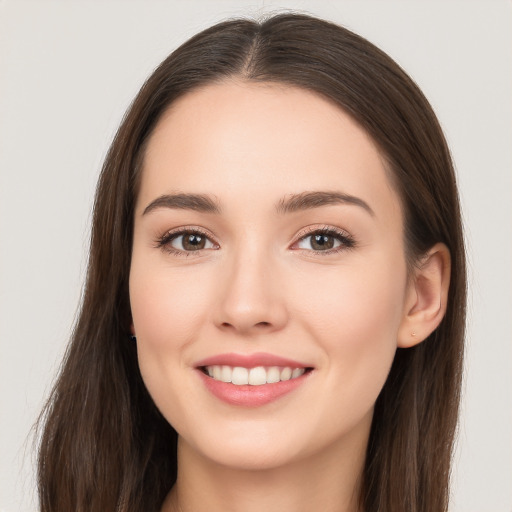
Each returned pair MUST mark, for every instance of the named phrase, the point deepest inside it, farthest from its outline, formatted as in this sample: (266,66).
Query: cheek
(354,318)
(166,308)
(353,300)
(167,312)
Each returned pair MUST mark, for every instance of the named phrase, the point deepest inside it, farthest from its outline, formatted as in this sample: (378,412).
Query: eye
(325,240)
(190,241)
(186,241)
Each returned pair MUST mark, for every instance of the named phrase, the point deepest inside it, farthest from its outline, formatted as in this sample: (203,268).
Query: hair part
(104,444)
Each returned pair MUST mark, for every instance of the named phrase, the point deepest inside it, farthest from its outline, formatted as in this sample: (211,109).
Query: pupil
(323,242)
(193,242)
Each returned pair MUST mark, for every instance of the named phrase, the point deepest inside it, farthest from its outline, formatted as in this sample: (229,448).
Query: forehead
(244,141)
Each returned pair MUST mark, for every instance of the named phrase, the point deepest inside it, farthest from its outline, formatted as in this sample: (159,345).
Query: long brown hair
(104,445)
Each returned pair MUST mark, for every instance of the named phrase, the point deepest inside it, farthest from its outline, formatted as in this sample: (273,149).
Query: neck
(328,481)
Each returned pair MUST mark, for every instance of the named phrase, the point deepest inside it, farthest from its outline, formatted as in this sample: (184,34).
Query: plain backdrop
(68,71)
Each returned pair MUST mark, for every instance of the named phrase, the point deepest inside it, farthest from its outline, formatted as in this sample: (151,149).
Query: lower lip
(251,396)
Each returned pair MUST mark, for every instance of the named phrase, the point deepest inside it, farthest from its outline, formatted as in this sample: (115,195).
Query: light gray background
(69,69)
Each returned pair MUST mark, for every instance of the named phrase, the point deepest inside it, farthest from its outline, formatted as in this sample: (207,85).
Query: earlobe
(427,297)
(132,332)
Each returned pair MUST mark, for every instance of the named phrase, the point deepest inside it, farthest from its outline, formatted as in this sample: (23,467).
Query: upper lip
(250,360)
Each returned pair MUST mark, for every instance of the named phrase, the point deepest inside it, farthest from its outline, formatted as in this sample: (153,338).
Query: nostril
(259,324)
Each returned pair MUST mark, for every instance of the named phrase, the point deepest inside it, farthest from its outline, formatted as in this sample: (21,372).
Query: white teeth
(273,374)
(257,376)
(254,376)
(297,372)
(225,374)
(286,374)
(217,372)
(240,376)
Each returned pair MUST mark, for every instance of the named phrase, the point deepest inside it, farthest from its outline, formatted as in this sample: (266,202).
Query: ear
(426,297)
(132,329)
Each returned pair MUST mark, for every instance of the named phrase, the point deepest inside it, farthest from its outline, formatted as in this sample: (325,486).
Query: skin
(260,286)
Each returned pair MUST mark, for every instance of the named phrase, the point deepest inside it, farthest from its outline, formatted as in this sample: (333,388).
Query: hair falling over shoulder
(104,446)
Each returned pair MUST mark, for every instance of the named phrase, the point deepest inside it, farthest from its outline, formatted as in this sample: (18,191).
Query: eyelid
(324,228)
(346,239)
(163,242)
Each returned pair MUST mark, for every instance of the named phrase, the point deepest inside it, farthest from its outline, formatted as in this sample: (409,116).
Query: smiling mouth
(257,376)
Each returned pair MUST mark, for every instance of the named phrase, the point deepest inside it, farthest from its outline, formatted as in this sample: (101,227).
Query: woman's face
(268,246)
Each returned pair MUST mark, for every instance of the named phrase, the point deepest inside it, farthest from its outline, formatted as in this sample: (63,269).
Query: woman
(274,308)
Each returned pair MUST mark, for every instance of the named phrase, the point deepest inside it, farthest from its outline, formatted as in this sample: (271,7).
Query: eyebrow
(289,204)
(310,200)
(196,202)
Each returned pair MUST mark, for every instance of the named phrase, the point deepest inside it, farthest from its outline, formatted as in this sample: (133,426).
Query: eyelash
(164,242)
(347,241)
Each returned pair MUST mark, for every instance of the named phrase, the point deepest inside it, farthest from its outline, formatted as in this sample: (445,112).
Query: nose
(252,299)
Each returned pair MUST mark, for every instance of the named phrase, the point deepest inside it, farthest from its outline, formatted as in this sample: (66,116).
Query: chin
(251,456)
(260,447)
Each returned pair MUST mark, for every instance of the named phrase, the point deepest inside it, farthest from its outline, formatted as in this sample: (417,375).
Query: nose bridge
(251,298)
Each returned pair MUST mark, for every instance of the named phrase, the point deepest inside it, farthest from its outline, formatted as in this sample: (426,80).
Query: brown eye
(322,242)
(319,242)
(190,241)
(326,241)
